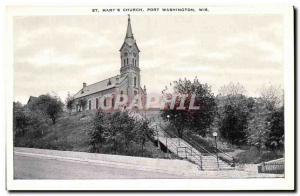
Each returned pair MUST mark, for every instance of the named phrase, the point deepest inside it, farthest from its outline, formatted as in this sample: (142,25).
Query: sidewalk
(169,166)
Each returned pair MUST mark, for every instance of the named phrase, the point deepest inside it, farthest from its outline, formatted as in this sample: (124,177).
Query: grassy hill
(71,133)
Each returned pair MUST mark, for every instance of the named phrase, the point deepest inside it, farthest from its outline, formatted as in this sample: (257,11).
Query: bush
(47,105)
(28,126)
(254,156)
(119,133)
(249,156)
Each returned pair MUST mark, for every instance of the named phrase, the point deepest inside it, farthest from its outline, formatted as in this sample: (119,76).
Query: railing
(189,152)
(275,167)
(197,146)
(219,153)
(183,147)
(226,157)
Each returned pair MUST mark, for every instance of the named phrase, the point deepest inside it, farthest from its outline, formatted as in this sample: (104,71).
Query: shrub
(47,105)
(119,133)
(254,156)
(28,126)
(250,156)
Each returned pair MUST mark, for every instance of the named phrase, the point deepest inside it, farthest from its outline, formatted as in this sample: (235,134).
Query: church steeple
(129,50)
(129,33)
(129,39)
(129,54)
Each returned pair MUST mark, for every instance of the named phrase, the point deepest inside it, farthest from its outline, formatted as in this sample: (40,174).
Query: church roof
(99,86)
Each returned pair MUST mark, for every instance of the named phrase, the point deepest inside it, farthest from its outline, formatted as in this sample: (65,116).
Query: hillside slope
(71,133)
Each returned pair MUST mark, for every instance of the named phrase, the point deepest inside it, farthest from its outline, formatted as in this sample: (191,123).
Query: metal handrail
(196,155)
(190,140)
(226,154)
(193,143)
(173,135)
(197,145)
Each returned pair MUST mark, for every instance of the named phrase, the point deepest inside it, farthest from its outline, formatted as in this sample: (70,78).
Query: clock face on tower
(134,54)
(125,54)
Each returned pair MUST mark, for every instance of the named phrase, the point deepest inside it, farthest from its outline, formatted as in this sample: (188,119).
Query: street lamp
(176,128)
(215,134)
(168,117)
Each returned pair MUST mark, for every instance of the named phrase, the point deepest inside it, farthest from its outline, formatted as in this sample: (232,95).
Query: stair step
(176,146)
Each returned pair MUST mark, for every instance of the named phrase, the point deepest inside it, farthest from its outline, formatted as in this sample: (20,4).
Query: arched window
(121,97)
(134,81)
(90,104)
(113,102)
(135,62)
(132,61)
(124,62)
(127,61)
(97,103)
(105,102)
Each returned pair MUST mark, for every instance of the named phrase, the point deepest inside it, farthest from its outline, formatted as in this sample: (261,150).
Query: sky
(56,54)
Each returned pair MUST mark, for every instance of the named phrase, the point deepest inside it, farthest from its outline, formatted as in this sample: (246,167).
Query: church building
(127,83)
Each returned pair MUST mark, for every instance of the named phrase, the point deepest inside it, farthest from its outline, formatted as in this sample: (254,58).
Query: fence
(276,167)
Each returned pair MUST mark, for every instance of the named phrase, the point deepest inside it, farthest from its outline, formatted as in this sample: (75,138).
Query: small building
(31,100)
(127,82)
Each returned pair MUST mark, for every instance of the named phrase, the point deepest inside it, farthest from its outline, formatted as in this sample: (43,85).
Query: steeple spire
(129,33)
(129,39)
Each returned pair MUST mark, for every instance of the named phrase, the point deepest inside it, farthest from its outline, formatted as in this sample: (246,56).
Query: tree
(70,102)
(271,97)
(143,133)
(232,89)
(48,105)
(276,134)
(118,133)
(20,120)
(258,126)
(27,123)
(97,134)
(266,124)
(234,110)
(190,120)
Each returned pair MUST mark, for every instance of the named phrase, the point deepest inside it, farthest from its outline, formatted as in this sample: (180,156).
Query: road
(35,167)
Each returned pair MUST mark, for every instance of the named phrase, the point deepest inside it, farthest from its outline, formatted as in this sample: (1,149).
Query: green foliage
(233,115)
(27,123)
(198,120)
(258,129)
(48,106)
(70,102)
(266,127)
(254,156)
(82,104)
(20,119)
(276,134)
(119,133)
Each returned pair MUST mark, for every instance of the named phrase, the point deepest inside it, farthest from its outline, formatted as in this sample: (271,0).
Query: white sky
(58,53)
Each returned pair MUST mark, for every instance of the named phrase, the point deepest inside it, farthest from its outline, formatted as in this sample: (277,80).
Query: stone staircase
(181,148)
(184,150)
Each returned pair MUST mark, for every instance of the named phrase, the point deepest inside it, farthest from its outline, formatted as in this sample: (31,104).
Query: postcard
(150,98)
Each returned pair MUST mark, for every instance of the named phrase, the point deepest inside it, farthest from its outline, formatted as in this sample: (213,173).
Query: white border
(286,183)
